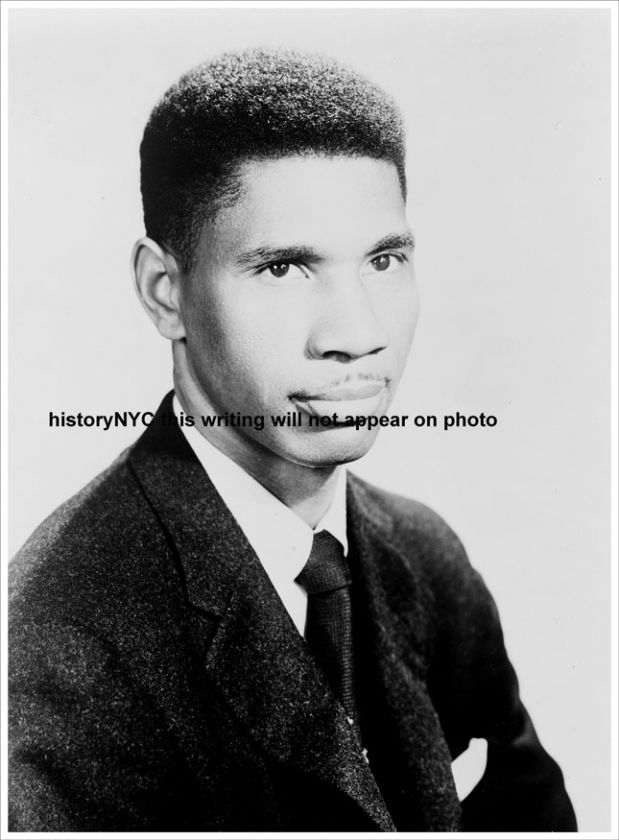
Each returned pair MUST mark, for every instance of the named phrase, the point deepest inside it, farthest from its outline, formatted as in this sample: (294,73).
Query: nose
(345,325)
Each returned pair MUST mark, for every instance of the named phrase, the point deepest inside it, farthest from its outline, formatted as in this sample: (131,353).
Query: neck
(308,491)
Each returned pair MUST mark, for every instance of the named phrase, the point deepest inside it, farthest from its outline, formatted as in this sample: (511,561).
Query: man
(223,631)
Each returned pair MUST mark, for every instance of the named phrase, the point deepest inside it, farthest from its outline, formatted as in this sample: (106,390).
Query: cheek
(246,340)
(411,315)
(398,311)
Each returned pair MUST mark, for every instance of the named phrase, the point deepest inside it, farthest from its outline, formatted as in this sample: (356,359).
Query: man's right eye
(283,269)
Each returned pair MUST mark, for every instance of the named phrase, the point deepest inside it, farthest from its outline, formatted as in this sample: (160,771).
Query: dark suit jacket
(158,684)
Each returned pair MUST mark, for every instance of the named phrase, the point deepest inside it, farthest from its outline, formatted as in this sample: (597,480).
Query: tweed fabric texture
(157,682)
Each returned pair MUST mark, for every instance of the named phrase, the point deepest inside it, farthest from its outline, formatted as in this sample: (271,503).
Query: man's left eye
(385,263)
(279,269)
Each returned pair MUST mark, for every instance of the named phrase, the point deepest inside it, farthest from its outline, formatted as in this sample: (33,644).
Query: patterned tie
(328,630)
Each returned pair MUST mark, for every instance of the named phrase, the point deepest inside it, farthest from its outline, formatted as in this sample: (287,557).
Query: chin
(336,447)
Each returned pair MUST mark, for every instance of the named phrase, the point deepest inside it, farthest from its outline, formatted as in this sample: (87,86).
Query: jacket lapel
(408,753)
(255,658)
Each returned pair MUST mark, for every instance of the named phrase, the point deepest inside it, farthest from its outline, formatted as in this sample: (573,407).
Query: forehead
(325,202)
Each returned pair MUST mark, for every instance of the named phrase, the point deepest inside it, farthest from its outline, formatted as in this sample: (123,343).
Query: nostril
(338,356)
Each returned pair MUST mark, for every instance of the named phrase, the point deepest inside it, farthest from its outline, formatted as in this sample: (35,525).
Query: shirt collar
(280,538)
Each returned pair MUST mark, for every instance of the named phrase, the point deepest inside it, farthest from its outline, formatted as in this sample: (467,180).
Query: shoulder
(411,527)
(433,588)
(420,551)
(103,542)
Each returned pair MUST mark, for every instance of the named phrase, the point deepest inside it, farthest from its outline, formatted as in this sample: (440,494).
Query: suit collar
(256,659)
(280,538)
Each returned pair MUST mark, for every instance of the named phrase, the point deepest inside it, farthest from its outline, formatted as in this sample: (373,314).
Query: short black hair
(254,104)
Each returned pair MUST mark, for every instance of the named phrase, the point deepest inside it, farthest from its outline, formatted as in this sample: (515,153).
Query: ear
(158,284)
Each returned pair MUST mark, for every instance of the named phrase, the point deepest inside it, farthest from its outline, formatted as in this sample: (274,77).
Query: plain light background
(508,121)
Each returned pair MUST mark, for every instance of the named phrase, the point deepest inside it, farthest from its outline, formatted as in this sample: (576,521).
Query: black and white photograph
(308,419)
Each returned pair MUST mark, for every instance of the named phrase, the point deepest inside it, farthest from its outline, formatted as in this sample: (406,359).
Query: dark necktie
(328,630)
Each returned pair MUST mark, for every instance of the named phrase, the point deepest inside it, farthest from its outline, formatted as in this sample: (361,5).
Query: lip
(362,390)
(357,398)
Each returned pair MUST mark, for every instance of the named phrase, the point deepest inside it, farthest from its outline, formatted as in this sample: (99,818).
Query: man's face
(303,299)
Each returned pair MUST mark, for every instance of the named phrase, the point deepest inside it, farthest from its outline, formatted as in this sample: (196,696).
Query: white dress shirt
(280,538)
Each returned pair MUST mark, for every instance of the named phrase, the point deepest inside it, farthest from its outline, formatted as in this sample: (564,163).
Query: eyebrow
(394,242)
(264,254)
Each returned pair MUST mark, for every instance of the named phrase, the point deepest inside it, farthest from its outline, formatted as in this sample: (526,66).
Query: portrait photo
(308,427)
